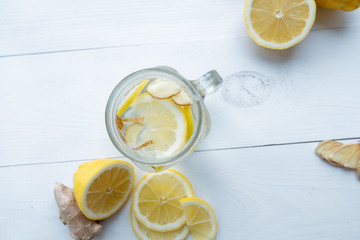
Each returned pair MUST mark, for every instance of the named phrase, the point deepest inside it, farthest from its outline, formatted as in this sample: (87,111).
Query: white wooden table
(59,61)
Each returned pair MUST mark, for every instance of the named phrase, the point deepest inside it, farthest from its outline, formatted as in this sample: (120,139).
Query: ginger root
(341,155)
(81,228)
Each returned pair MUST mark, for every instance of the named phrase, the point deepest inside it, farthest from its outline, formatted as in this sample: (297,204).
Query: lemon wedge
(102,186)
(156,202)
(279,24)
(144,233)
(200,218)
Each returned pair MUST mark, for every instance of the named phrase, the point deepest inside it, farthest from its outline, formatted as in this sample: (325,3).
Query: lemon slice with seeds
(200,218)
(102,186)
(279,24)
(156,200)
(144,233)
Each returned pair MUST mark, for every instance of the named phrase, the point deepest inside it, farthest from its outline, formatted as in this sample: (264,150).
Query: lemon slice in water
(164,123)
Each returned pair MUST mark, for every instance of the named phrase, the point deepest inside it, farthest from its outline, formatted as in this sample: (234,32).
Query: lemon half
(102,186)
(279,24)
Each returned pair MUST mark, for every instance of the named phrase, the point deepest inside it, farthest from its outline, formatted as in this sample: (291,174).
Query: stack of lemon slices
(164,207)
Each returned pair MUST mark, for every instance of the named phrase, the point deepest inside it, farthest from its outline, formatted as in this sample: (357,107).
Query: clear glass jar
(197,90)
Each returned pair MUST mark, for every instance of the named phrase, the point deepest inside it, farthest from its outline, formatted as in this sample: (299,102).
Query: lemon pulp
(102,186)
(279,24)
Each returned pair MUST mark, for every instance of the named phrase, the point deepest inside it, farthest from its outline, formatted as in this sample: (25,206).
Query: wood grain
(41,26)
(283,192)
(53,104)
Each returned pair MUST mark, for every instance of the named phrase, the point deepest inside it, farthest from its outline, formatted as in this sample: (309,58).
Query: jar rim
(111,113)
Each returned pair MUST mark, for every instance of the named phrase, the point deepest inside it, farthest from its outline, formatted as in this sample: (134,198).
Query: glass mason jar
(196,89)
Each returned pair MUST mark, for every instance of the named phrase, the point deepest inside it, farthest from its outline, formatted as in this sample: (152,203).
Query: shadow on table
(272,55)
(329,19)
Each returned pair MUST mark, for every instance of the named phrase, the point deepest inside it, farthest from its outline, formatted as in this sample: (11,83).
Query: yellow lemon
(156,200)
(345,5)
(200,218)
(279,24)
(102,186)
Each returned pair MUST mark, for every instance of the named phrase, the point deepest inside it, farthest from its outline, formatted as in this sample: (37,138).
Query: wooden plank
(283,192)
(53,105)
(38,26)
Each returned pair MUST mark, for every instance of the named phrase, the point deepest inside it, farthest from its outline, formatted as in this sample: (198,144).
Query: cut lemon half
(156,200)
(279,24)
(200,218)
(164,123)
(102,186)
(144,233)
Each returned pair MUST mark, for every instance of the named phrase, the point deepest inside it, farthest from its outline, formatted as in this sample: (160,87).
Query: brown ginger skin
(81,228)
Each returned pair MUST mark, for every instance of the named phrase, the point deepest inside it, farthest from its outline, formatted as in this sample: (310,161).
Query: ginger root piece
(81,228)
(326,148)
(353,160)
(341,155)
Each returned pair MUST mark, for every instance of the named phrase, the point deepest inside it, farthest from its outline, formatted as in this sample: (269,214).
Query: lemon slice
(131,96)
(144,233)
(200,218)
(165,124)
(102,186)
(279,24)
(156,200)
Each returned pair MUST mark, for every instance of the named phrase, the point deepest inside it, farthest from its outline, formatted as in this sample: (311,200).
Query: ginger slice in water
(162,89)
(134,119)
(119,123)
(147,143)
(132,132)
(182,99)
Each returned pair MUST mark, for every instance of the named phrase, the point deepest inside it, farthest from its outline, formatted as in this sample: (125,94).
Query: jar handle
(208,84)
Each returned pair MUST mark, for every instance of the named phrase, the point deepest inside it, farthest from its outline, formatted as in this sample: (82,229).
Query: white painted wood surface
(55,103)
(59,61)
(47,26)
(282,192)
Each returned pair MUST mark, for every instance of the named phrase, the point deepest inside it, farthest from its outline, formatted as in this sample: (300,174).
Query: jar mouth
(120,91)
